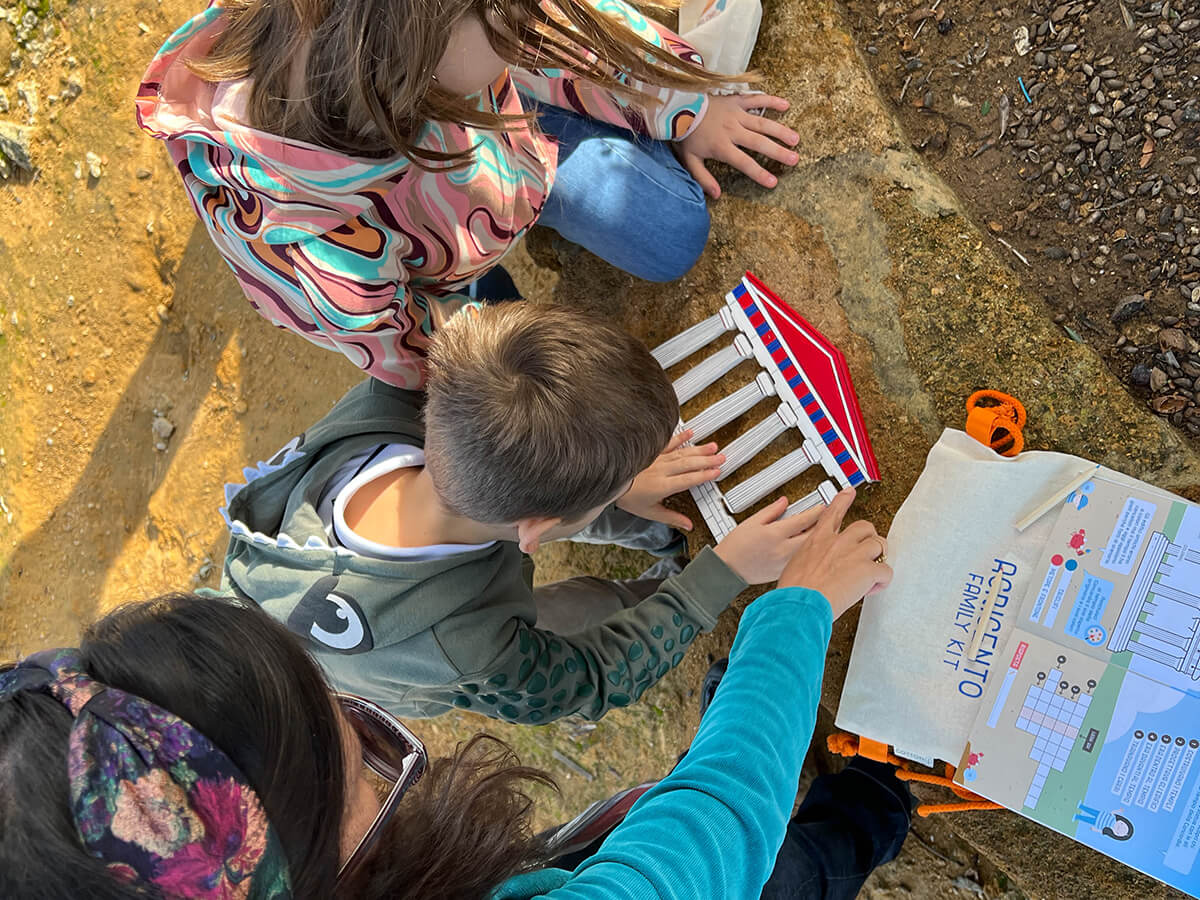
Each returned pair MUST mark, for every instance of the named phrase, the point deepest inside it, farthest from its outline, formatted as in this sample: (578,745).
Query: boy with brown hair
(393,535)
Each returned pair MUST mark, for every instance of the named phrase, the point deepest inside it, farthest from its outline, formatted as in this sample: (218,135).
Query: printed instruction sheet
(1090,722)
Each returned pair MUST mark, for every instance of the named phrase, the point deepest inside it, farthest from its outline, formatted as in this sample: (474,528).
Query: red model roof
(824,368)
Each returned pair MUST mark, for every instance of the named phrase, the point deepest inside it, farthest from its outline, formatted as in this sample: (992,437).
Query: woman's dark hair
(245,682)
(234,674)
(463,829)
(40,852)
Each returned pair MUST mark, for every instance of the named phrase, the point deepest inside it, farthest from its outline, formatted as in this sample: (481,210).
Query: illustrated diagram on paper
(1161,614)
(1120,581)
(1034,724)
(1052,712)
(1090,722)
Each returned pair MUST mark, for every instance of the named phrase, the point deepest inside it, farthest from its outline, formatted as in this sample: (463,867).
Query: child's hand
(761,546)
(843,565)
(676,469)
(727,127)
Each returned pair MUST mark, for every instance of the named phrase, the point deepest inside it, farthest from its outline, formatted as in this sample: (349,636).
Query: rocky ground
(1091,182)
(137,380)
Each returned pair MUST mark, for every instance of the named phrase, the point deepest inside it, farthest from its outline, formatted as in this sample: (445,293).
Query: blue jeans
(848,824)
(625,198)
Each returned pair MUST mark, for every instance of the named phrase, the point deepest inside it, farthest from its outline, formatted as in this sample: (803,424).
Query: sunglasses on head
(389,750)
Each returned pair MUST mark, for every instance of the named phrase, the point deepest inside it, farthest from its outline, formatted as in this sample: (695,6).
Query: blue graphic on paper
(1088,610)
(1142,804)
(1078,498)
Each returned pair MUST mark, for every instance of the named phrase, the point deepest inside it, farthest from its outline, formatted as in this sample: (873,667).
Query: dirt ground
(136,381)
(1091,185)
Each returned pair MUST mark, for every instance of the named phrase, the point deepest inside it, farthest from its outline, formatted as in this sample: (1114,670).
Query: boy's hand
(843,565)
(727,127)
(676,469)
(761,546)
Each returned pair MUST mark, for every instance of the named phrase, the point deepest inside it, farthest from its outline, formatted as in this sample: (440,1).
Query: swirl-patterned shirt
(370,256)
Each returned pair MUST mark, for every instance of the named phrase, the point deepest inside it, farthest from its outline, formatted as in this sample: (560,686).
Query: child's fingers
(772,129)
(769,148)
(691,479)
(702,459)
(747,166)
(672,518)
(697,450)
(695,167)
(678,440)
(762,101)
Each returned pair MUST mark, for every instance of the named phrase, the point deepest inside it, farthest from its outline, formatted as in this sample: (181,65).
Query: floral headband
(151,796)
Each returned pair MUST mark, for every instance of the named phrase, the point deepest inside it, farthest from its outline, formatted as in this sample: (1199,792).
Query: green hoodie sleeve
(540,676)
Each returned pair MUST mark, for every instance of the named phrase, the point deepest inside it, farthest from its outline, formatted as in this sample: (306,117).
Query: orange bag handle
(996,419)
(845,744)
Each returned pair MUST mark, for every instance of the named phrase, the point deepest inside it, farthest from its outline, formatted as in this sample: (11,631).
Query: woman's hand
(843,564)
(676,469)
(728,126)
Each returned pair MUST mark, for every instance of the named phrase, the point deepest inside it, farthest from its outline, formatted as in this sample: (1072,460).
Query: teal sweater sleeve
(713,826)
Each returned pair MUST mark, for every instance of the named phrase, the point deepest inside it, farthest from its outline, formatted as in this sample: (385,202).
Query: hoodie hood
(283,191)
(280,557)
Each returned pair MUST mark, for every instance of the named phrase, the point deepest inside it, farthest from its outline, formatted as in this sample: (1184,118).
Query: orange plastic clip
(844,744)
(996,419)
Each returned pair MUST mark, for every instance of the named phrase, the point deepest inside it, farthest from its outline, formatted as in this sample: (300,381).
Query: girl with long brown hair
(189,748)
(361,164)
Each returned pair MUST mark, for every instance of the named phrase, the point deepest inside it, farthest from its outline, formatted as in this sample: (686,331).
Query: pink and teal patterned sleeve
(672,119)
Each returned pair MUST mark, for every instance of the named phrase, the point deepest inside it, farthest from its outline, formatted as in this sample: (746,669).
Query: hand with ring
(843,564)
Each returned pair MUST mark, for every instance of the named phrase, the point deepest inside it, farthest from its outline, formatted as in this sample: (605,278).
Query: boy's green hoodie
(420,637)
